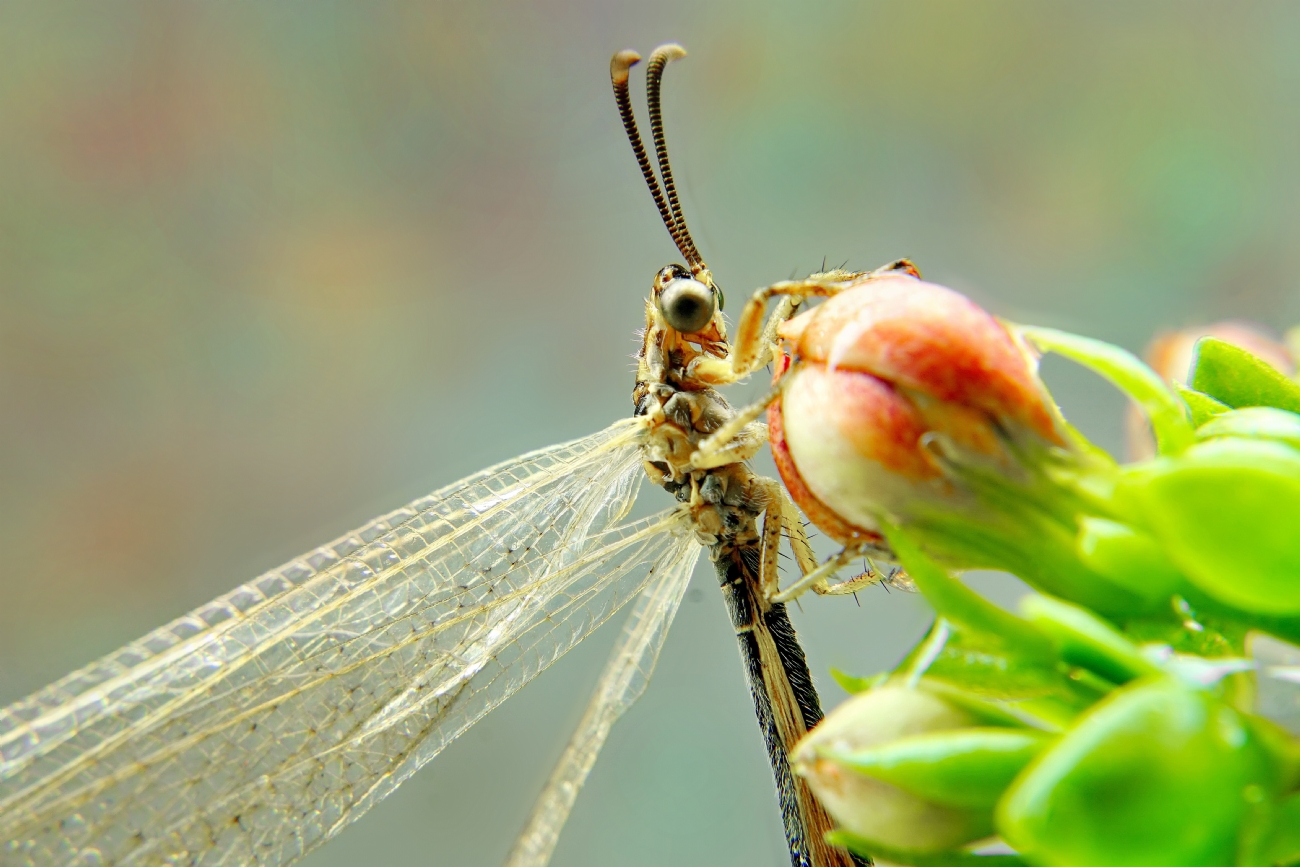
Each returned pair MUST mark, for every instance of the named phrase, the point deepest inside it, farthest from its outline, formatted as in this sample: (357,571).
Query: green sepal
(1129,557)
(1202,406)
(1084,640)
(910,858)
(967,768)
(1225,511)
(1255,422)
(1032,546)
(987,713)
(1233,376)
(1029,525)
(1168,413)
(1191,630)
(977,646)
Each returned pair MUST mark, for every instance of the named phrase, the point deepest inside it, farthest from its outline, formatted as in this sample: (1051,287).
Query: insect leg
(781,519)
(755,338)
(870,575)
(729,442)
(817,577)
(794,531)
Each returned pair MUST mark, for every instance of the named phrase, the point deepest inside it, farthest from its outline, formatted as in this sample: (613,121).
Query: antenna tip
(669,51)
(620,63)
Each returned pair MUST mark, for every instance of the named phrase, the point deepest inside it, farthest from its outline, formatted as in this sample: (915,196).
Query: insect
(261,724)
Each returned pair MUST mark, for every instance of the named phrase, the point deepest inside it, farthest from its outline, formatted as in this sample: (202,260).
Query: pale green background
(269,269)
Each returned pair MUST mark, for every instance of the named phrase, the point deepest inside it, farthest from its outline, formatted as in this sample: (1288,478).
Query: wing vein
(252,729)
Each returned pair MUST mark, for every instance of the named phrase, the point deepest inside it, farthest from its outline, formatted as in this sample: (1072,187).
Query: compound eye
(687,305)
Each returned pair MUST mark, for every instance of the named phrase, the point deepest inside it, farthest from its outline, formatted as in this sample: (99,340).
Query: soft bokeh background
(267,270)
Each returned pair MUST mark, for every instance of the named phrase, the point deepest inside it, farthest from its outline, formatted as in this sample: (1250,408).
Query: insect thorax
(680,411)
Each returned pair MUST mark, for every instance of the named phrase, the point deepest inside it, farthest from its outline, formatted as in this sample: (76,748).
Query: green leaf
(1168,414)
(958,603)
(1233,376)
(1086,641)
(1256,422)
(1157,775)
(1202,406)
(1226,513)
(961,768)
(879,851)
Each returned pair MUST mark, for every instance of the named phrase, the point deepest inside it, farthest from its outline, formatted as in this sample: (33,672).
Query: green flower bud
(1225,510)
(1157,775)
(872,766)
(1128,557)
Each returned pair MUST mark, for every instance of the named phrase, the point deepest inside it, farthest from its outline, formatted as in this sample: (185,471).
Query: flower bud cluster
(904,403)
(1120,720)
(1159,769)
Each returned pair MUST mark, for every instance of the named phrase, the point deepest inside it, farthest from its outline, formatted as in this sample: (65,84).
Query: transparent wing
(256,727)
(625,677)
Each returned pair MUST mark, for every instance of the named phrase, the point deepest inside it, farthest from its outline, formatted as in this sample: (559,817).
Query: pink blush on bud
(929,339)
(831,523)
(855,443)
(866,413)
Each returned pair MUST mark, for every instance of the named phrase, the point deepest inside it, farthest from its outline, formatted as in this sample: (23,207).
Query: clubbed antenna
(670,209)
(654,75)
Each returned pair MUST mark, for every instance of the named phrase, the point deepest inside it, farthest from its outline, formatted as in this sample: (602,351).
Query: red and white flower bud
(880,368)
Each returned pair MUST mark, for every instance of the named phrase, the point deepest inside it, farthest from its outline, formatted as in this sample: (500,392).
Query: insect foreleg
(755,337)
(735,436)
(752,346)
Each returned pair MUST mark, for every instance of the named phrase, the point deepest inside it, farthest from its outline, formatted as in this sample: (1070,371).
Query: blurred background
(267,270)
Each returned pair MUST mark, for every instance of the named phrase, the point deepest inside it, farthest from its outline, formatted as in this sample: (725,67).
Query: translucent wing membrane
(256,727)
(626,675)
